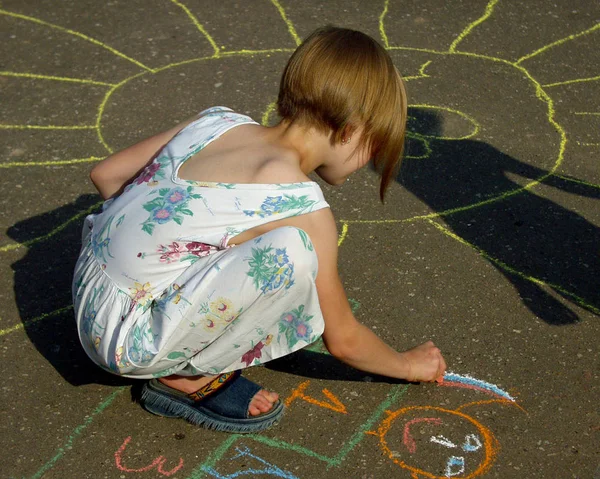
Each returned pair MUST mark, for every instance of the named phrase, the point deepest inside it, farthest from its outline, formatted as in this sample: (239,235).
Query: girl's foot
(425,363)
(262,401)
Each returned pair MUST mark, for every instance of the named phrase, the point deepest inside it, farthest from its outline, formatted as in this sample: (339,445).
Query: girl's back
(179,209)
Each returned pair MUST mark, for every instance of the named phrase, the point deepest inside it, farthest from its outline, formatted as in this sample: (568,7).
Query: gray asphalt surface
(488,242)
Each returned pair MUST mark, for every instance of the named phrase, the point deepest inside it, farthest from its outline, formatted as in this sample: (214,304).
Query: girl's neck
(309,145)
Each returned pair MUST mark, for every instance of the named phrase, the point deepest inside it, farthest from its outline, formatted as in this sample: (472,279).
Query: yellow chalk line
(51,77)
(417,136)
(102,106)
(58,229)
(581,143)
(233,53)
(425,138)
(488,12)
(343,234)
(264,121)
(50,163)
(587,113)
(539,93)
(482,253)
(558,42)
(568,82)
(29,322)
(46,127)
(256,52)
(115,87)
(199,26)
(77,34)
(475,123)
(581,182)
(287,21)
(421,74)
(384,37)
(513,271)
(542,96)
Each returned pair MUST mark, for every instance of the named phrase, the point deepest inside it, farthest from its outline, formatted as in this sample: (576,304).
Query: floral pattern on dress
(142,337)
(140,294)
(153,172)
(169,253)
(306,240)
(120,361)
(218,314)
(231,326)
(101,241)
(270,269)
(294,327)
(280,204)
(172,295)
(253,356)
(178,252)
(89,326)
(170,205)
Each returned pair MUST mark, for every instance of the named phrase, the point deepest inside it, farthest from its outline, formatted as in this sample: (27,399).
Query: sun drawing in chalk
(465,94)
(435,442)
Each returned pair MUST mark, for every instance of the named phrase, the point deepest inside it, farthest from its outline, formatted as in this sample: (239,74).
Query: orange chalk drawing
(477,449)
(470,447)
(334,403)
(157,463)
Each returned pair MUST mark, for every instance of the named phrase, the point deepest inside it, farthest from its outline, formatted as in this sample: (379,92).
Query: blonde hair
(339,77)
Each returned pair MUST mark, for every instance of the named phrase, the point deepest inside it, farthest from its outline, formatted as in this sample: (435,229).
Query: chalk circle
(151,102)
(454,113)
(432,442)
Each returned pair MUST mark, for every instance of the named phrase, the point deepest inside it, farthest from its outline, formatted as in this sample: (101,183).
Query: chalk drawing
(455,466)
(200,28)
(480,446)
(76,433)
(466,381)
(418,462)
(472,443)
(267,470)
(442,441)
(56,78)
(407,438)
(334,404)
(569,82)
(488,12)
(558,42)
(77,34)
(157,463)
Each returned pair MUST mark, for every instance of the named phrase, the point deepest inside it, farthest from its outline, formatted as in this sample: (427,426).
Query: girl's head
(341,81)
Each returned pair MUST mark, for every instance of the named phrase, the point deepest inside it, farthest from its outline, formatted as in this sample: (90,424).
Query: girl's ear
(347,133)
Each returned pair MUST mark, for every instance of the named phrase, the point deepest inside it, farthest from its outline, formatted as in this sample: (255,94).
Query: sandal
(221,405)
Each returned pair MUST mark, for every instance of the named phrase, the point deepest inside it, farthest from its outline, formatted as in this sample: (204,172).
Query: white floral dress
(157,290)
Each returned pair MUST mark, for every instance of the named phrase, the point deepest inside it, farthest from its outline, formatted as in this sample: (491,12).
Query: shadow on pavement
(317,365)
(527,237)
(42,282)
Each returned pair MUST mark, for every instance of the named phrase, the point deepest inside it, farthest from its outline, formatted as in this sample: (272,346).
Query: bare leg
(262,402)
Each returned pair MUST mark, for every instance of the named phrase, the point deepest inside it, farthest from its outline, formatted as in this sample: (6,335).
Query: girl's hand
(425,363)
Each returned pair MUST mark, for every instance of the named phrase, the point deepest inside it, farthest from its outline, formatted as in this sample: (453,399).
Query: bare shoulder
(321,227)
(280,166)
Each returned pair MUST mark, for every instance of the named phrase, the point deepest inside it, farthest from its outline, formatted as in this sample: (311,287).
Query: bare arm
(346,338)
(112,174)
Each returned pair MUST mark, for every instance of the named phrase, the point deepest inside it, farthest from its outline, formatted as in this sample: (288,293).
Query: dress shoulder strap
(210,124)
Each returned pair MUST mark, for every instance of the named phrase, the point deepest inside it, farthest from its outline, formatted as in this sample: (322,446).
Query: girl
(215,251)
